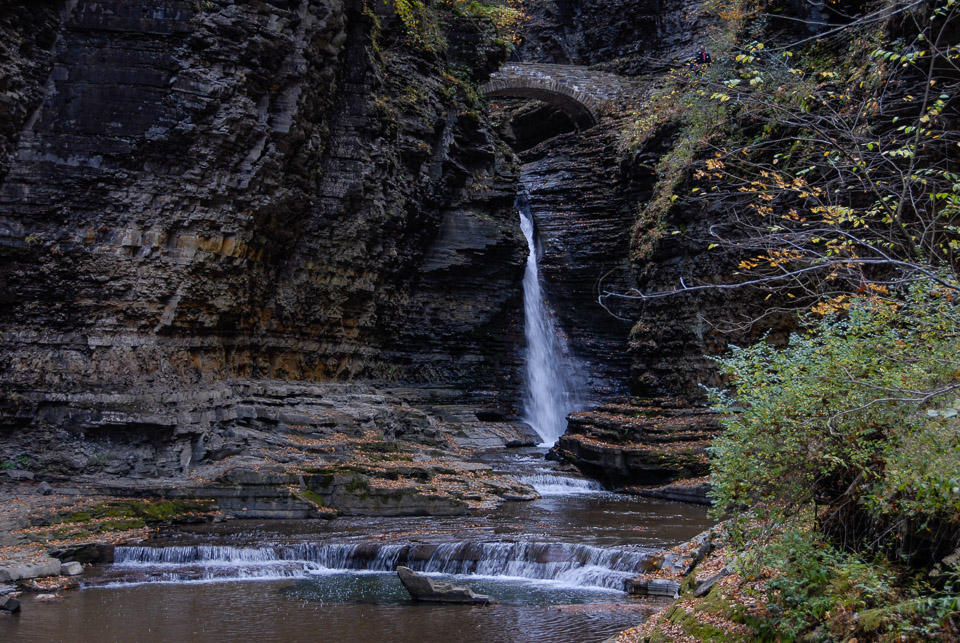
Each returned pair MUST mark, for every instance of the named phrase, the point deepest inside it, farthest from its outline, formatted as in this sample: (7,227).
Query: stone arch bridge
(578,91)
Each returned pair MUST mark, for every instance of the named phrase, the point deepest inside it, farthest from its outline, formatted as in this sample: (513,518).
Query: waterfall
(552,485)
(549,393)
(562,563)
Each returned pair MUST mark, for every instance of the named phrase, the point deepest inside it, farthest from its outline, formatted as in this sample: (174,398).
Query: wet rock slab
(424,588)
(15,571)
(696,491)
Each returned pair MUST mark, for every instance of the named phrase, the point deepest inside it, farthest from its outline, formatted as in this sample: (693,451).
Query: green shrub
(833,430)
(820,593)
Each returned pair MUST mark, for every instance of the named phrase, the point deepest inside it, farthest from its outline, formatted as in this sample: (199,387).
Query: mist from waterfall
(549,389)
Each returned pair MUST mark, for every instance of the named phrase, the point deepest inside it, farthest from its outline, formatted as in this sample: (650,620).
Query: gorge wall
(199,193)
(192,192)
(583,204)
(585,192)
(631,36)
(586,189)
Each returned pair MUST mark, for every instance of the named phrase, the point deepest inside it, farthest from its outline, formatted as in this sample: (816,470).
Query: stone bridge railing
(580,92)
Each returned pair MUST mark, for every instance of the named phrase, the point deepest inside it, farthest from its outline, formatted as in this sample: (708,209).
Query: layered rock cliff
(632,36)
(590,189)
(197,196)
(193,192)
(582,204)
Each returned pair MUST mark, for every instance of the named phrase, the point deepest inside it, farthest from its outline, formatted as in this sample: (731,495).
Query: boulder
(44,489)
(19,475)
(72,568)
(653,587)
(423,588)
(15,572)
(703,588)
(87,553)
(9,604)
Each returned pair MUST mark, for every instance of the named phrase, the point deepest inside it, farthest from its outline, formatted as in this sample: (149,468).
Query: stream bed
(556,565)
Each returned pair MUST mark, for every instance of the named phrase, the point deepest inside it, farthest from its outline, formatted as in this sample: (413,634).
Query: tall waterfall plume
(549,389)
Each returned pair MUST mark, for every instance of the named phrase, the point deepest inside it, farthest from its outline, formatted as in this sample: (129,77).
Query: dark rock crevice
(583,204)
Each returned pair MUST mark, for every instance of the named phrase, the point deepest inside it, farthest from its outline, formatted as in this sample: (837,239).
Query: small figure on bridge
(702,58)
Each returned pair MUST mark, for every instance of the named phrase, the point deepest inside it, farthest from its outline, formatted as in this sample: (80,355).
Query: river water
(556,565)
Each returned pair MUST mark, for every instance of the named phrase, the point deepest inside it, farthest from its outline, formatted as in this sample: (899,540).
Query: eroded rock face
(584,207)
(645,34)
(26,57)
(674,336)
(195,192)
(585,192)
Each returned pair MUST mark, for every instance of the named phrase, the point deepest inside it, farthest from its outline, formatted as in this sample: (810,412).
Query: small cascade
(549,391)
(581,566)
(553,485)
(332,556)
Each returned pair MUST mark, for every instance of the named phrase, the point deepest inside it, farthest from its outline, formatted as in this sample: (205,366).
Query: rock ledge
(423,588)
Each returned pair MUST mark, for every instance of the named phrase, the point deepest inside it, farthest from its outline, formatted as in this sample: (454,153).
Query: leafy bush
(820,593)
(833,430)
(817,584)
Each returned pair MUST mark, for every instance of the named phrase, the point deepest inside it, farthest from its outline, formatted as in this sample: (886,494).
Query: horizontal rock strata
(194,192)
(582,207)
(278,449)
(694,490)
(640,444)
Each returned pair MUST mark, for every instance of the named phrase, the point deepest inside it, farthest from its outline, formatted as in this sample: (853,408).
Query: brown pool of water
(265,612)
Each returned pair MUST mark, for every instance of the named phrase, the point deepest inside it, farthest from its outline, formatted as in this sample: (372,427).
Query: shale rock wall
(629,36)
(583,207)
(193,192)
(291,190)
(674,337)
(586,191)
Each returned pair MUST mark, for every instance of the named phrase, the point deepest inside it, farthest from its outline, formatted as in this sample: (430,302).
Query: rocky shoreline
(278,451)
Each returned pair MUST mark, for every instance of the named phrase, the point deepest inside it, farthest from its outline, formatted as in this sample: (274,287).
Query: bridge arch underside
(581,111)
